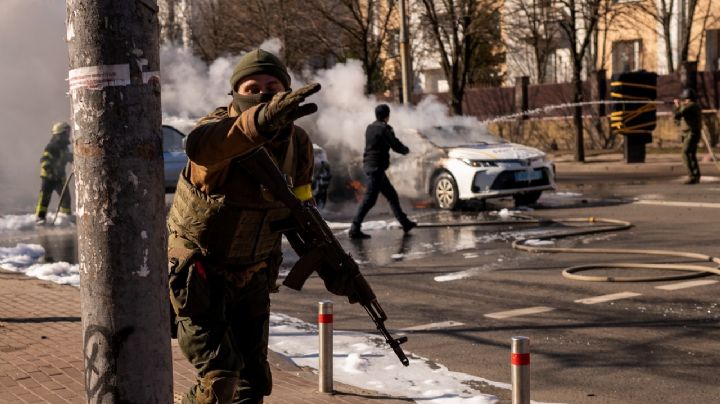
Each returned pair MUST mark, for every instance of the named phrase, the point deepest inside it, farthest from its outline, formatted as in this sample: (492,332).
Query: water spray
(548,108)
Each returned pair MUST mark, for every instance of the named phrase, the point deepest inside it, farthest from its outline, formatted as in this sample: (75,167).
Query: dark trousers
(378,183)
(690,145)
(47,188)
(230,339)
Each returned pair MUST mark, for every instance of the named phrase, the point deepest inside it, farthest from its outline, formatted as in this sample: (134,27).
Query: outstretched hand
(285,108)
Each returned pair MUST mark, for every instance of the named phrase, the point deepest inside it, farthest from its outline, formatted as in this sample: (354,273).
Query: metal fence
(486,103)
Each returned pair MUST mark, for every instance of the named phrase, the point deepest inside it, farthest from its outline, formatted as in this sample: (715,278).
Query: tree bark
(577,113)
(115,90)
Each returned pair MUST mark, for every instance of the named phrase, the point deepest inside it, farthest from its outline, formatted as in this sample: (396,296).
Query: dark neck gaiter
(244,102)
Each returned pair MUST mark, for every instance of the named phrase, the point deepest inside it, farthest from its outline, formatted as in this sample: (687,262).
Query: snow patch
(27,259)
(363,360)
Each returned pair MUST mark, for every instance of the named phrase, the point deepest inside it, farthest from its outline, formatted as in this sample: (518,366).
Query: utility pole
(405,65)
(115,90)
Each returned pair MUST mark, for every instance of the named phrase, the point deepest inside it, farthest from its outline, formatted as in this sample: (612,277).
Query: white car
(461,163)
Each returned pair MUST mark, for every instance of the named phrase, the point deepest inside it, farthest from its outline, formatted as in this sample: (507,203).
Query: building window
(712,49)
(626,56)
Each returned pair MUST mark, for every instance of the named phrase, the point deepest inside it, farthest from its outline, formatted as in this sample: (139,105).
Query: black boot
(409,225)
(357,234)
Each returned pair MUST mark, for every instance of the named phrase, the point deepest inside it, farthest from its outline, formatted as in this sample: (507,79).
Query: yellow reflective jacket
(54,159)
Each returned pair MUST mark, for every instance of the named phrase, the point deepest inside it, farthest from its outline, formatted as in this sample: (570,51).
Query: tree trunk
(115,90)
(577,112)
(456,102)
(668,46)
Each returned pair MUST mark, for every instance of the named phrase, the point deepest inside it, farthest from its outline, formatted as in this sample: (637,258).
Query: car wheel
(445,191)
(527,198)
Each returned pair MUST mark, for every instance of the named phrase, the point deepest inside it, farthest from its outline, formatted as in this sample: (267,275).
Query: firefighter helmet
(60,127)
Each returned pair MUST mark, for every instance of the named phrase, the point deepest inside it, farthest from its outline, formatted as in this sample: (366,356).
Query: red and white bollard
(520,364)
(325,331)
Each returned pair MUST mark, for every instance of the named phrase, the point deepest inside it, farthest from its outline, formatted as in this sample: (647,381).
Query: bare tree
(669,15)
(466,35)
(227,27)
(213,29)
(367,26)
(532,24)
(579,20)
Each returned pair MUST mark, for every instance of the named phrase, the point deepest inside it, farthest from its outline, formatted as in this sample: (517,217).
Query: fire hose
(62,194)
(608,225)
(706,140)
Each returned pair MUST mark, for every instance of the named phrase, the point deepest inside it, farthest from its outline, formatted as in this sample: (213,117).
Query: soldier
(688,116)
(224,258)
(52,171)
(379,139)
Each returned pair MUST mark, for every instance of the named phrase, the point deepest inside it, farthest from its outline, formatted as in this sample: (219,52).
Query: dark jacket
(689,118)
(379,139)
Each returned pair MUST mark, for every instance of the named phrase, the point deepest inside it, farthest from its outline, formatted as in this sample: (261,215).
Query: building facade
(630,35)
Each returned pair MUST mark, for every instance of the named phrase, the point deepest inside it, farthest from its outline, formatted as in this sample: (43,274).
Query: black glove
(284,108)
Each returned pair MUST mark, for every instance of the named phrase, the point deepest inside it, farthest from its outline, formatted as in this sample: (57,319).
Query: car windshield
(456,136)
(172,140)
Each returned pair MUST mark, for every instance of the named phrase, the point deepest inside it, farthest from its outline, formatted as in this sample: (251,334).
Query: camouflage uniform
(224,259)
(52,170)
(689,117)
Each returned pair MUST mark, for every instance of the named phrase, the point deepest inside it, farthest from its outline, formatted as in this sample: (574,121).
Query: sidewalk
(41,359)
(661,164)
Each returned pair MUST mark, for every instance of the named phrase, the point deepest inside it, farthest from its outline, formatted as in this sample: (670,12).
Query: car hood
(503,151)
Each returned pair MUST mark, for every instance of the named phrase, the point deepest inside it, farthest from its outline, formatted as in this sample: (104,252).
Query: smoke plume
(32,94)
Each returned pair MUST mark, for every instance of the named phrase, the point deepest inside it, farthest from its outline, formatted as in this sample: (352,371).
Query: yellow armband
(303,192)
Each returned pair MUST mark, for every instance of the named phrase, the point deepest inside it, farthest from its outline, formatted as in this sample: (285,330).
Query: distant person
(52,171)
(321,183)
(379,139)
(688,116)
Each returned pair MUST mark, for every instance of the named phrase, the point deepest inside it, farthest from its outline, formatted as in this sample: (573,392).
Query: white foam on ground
(537,242)
(505,212)
(364,360)
(14,223)
(456,276)
(27,259)
(366,226)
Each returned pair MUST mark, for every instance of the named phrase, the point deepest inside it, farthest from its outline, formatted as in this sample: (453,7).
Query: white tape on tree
(99,77)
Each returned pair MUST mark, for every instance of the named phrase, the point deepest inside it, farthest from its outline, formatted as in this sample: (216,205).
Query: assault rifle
(317,247)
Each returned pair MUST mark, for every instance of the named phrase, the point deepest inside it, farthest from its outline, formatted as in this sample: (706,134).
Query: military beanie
(259,61)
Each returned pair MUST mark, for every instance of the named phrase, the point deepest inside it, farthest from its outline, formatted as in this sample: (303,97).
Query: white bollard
(325,331)
(520,364)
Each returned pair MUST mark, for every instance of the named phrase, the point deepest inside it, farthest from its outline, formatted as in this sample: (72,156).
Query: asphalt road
(652,346)
(454,286)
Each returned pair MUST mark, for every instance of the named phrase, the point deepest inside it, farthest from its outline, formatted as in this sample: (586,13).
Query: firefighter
(688,116)
(224,259)
(379,139)
(52,171)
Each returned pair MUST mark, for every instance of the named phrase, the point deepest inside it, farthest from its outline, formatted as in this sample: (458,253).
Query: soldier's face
(260,83)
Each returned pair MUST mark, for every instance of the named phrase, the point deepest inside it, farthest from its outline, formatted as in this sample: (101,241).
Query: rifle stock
(317,247)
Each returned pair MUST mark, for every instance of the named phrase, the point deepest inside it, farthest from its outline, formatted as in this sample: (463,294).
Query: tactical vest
(693,122)
(231,233)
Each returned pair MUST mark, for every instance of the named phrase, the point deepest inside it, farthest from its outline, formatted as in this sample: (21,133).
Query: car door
(173,154)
